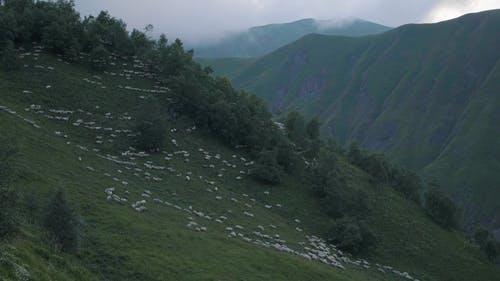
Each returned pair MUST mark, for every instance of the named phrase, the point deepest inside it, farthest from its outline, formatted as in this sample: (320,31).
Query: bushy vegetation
(151,127)
(437,205)
(406,182)
(487,243)
(62,223)
(323,177)
(351,235)
(7,152)
(442,209)
(267,169)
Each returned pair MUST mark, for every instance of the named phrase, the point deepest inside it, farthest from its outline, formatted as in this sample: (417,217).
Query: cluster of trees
(346,206)
(406,182)
(59,27)
(437,205)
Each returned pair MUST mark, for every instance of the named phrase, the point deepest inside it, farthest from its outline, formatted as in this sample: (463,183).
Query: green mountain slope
(71,126)
(261,40)
(425,94)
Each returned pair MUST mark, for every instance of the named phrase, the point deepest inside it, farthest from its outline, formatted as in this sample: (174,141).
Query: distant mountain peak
(261,40)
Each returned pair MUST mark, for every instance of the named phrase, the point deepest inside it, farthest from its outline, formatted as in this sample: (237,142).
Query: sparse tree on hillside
(9,221)
(287,158)
(313,128)
(8,151)
(62,223)
(442,209)
(267,169)
(352,235)
(99,57)
(9,57)
(8,198)
(295,127)
(151,127)
(406,182)
(142,44)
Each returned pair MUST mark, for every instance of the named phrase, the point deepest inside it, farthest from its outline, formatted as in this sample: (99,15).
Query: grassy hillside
(202,222)
(262,40)
(425,94)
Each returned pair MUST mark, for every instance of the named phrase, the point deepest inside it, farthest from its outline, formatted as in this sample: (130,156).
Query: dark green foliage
(99,57)
(312,128)
(267,169)
(441,209)
(9,57)
(323,177)
(109,32)
(295,127)
(374,164)
(487,243)
(305,137)
(351,235)
(322,174)
(288,158)
(355,154)
(62,30)
(151,127)
(62,223)
(9,220)
(58,26)
(7,27)
(169,60)
(339,201)
(407,183)
(238,119)
(313,148)
(141,42)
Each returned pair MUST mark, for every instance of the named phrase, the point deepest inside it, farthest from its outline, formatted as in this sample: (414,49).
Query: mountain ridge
(261,40)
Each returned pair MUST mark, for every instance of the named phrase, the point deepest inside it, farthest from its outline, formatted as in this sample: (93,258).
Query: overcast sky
(196,21)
